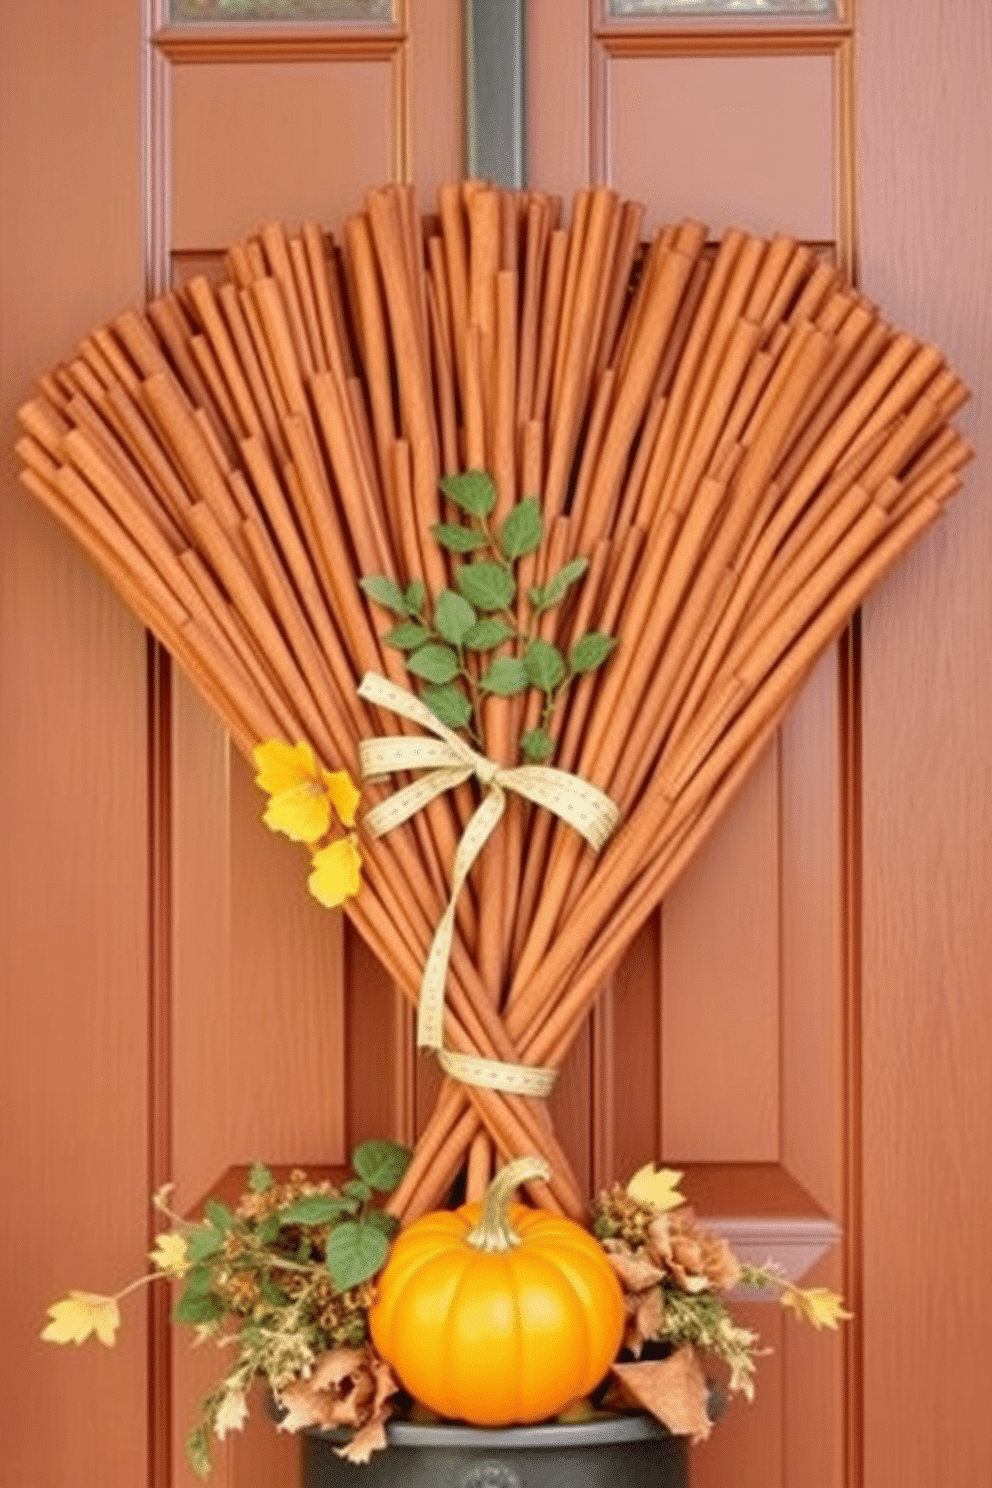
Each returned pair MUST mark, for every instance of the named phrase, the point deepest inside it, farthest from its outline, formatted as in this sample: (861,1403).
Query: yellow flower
(169,1255)
(659,1190)
(302,792)
(336,872)
(817,1305)
(79,1315)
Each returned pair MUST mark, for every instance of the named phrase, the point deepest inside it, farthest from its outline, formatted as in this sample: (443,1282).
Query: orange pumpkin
(495,1314)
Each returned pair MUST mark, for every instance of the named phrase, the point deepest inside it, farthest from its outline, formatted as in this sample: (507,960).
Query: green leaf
(268,1230)
(473,491)
(314,1209)
(433,662)
(408,636)
(219,1215)
(448,704)
(384,592)
(259,1179)
(414,597)
(537,745)
(272,1294)
(458,539)
(202,1242)
(355,1252)
(590,651)
(559,584)
(545,665)
(381,1164)
(198,1451)
(489,632)
(487,585)
(198,1307)
(387,1223)
(522,529)
(357,1188)
(453,616)
(506,676)
(199,1279)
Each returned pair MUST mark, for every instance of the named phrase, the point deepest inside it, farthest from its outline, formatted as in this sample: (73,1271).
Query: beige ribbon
(450,762)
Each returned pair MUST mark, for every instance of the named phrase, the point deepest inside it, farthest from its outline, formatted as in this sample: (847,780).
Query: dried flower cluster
(676,1275)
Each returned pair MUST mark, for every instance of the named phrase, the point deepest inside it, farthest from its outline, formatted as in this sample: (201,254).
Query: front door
(802,1027)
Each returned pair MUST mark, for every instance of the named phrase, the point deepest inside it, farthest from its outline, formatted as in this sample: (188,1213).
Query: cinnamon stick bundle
(738,445)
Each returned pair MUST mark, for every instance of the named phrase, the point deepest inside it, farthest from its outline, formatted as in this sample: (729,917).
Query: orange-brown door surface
(804,1026)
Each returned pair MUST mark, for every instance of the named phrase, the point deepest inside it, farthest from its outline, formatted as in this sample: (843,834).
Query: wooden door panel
(290,1042)
(926,247)
(253,141)
(732,140)
(815,1037)
(740,1005)
(74,838)
(719,988)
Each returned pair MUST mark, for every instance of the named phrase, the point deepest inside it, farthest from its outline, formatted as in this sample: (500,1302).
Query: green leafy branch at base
(284,1278)
(448,646)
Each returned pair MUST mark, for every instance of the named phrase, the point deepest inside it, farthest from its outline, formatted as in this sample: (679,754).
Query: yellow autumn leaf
(816,1305)
(301,792)
(282,766)
(303,813)
(79,1315)
(169,1254)
(659,1190)
(336,872)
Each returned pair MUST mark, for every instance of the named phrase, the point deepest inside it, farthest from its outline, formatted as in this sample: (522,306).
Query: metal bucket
(622,1452)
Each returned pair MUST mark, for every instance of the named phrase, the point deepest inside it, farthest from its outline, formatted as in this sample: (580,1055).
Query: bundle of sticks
(730,434)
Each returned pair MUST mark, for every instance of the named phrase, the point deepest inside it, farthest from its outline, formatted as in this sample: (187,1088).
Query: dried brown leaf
(305,1406)
(338,1365)
(367,1439)
(645,1315)
(672,1389)
(348,1387)
(634,1271)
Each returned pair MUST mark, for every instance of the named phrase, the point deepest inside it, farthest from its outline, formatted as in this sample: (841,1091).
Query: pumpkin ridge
(582,1303)
(445,1371)
(520,1344)
(546,1264)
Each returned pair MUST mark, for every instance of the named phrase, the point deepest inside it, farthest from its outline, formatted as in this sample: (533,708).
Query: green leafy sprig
(285,1276)
(338,1231)
(479,617)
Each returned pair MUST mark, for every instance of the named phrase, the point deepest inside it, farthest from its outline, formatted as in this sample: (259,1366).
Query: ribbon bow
(450,762)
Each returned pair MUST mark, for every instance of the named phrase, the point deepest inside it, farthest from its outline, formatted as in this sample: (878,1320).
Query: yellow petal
(336,872)
(817,1305)
(282,766)
(79,1315)
(169,1254)
(344,795)
(657,1189)
(303,813)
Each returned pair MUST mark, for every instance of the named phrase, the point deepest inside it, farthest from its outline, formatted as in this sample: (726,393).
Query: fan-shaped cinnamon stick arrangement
(737,442)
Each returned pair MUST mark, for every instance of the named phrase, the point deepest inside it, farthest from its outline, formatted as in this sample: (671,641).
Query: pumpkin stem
(494,1232)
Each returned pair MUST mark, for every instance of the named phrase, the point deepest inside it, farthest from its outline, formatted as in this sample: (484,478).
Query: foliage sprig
(450,644)
(284,1278)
